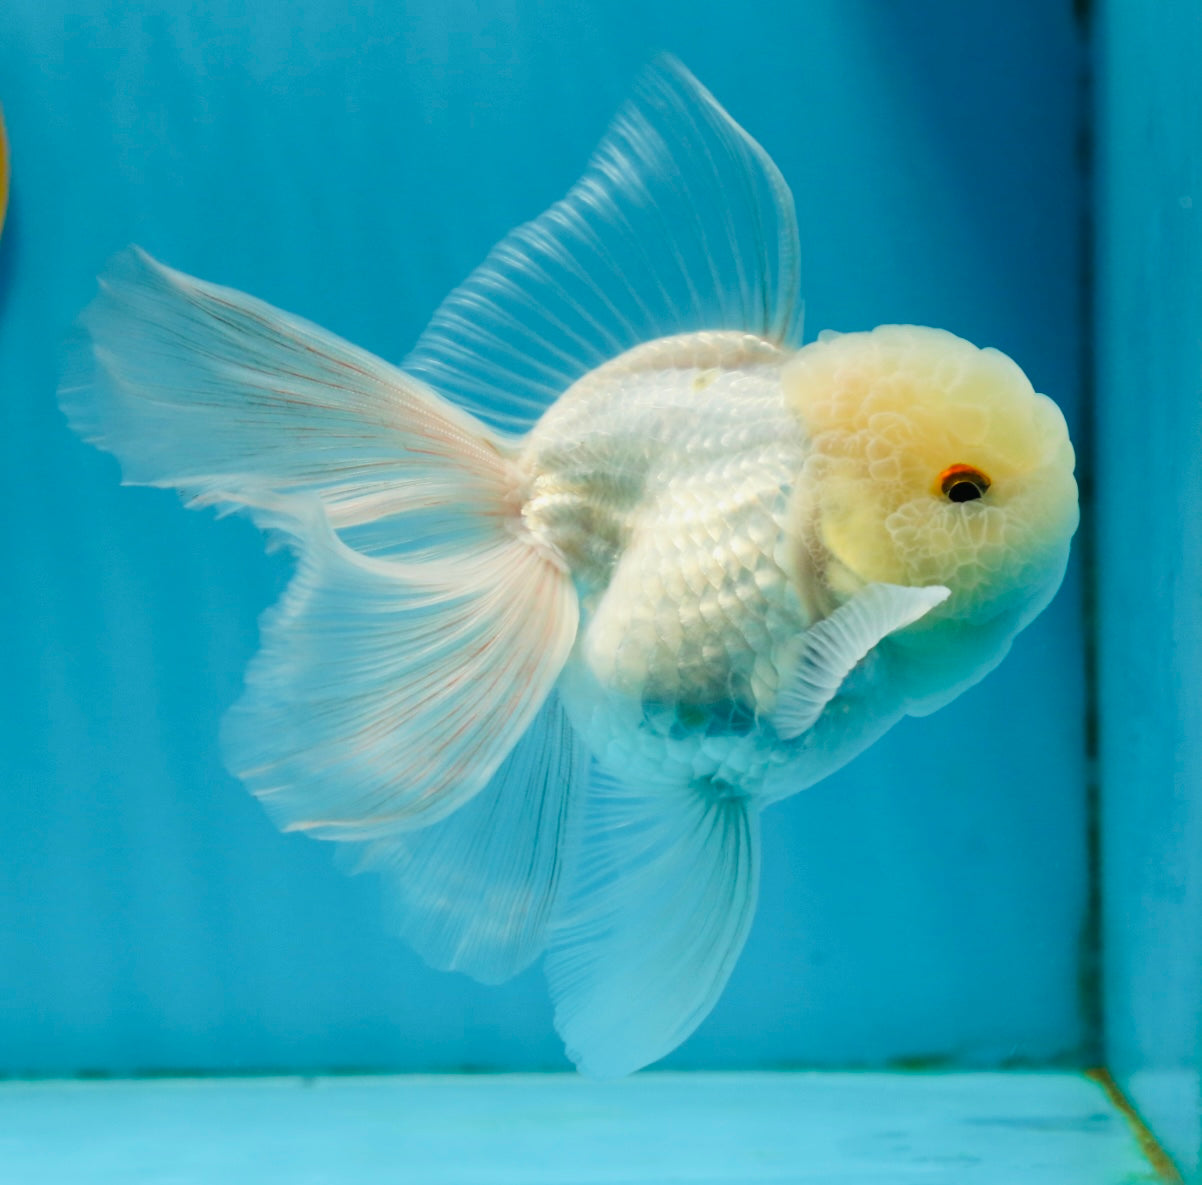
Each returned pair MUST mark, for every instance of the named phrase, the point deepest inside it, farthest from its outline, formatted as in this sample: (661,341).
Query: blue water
(352,162)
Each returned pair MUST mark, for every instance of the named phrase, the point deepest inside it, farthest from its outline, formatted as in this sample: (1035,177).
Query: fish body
(663,479)
(678,484)
(608,565)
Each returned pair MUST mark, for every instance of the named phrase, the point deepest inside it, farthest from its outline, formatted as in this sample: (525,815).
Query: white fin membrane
(387,693)
(658,905)
(831,648)
(474,892)
(198,387)
(680,223)
(423,631)
(390,686)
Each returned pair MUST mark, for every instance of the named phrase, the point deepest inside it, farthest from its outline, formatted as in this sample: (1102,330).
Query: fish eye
(962,483)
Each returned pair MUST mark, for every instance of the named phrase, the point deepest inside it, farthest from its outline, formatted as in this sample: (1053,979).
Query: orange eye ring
(963,483)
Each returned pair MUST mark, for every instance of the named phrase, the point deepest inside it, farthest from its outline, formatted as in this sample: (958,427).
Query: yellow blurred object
(3,171)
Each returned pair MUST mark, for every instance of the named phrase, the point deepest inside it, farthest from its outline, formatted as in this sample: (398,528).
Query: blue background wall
(1149,483)
(352,161)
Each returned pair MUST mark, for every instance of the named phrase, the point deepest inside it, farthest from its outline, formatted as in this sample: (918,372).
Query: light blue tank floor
(704,1129)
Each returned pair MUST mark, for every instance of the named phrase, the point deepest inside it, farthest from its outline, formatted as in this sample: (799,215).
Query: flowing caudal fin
(234,403)
(830,649)
(474,892)
(424,628)
(680,223)
(387,693)
(660,898)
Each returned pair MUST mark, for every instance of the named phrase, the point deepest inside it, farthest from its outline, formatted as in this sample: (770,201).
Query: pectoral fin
(831,648)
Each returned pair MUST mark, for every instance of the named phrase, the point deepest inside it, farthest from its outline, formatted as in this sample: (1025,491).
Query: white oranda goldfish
(608,565)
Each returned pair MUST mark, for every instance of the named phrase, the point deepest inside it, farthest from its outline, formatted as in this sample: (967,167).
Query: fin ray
(236,403)
(680,223)
(474,892)
(659,903)
(831,648)
(424,627)
(387,693)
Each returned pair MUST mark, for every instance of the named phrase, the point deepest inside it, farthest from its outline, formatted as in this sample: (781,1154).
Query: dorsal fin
(680,223)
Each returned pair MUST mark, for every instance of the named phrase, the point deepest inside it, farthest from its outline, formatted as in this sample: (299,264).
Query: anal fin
(661,898)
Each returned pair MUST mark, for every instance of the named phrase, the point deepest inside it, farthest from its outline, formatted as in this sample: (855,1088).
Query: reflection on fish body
(606,567)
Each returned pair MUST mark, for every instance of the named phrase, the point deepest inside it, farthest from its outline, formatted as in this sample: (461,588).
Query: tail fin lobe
(424,628)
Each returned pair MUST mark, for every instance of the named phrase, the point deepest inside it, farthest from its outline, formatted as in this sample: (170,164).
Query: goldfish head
(933,462)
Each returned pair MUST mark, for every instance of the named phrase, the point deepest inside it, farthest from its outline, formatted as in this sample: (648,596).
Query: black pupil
(964,490)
